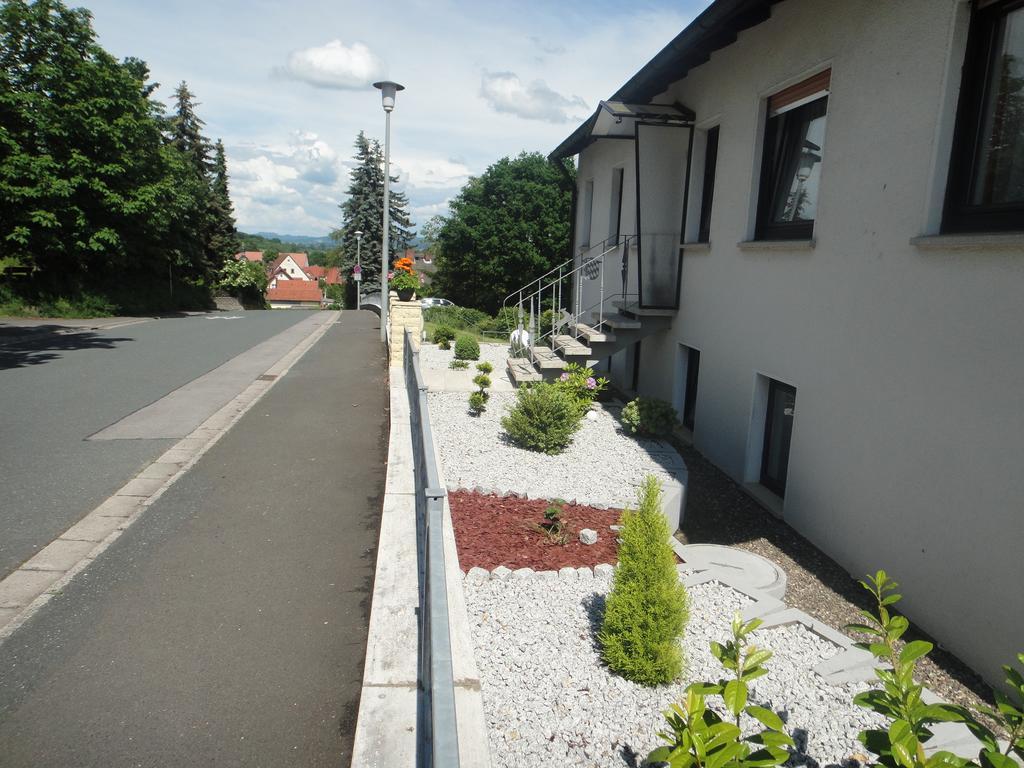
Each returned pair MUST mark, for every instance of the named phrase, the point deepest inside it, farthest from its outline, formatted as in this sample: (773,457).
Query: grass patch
(474,332)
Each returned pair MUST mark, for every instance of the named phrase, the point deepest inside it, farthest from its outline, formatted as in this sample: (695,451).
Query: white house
(824,199)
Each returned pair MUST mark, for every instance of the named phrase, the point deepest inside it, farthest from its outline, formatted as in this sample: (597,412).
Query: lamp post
(359,268)
(388,90)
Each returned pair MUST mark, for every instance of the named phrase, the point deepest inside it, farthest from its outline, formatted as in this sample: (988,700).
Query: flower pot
(406,294)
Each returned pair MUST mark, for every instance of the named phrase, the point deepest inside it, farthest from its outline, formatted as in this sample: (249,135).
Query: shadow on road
(22,347)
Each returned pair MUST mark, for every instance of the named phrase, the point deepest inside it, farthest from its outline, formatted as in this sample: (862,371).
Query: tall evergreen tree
(363,211)
(193,257)
(224,241)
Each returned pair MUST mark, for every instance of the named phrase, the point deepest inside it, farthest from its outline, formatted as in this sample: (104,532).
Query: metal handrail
(528,300)
(437,738)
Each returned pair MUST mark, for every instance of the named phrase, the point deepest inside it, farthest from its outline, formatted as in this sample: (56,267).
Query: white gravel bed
(432,356)
(549,701)
(602,466)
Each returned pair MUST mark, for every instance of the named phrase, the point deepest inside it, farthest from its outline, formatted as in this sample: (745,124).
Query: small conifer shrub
(647,608)
(443,336)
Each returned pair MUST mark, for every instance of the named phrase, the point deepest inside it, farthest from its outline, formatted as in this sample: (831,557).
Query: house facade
(829,197)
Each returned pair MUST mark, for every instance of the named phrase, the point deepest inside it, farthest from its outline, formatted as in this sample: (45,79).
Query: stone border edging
(27,589)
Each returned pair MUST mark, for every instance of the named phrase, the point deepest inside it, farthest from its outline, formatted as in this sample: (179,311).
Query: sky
(288,85)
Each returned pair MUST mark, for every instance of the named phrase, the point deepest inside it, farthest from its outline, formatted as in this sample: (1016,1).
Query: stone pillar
(402,315)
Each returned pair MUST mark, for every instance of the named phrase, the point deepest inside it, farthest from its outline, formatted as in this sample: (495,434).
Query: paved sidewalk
(227,626)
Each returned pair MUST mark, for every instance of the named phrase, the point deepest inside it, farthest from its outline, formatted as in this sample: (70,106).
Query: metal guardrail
(437,742)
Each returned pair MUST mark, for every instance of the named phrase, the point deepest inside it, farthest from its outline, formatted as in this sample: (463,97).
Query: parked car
(435,302)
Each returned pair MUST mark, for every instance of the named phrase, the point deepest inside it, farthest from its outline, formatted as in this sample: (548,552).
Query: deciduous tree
(506,227)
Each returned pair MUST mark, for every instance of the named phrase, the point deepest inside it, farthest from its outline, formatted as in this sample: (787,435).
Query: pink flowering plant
(579,382)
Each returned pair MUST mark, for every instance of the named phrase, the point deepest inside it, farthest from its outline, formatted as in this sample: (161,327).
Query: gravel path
(603,466)
(549,701)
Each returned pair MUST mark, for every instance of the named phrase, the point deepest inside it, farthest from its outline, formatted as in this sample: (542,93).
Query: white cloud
(335,66)
(424,171)
(505,92)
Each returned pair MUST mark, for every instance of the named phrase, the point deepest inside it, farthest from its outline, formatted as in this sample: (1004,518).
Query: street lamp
(388,90)
(359,267)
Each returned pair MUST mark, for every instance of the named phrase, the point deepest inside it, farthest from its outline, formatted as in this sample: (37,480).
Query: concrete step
(623,322)
(521,371)
(568,346)
(592,335)
(545,359)
(634,308)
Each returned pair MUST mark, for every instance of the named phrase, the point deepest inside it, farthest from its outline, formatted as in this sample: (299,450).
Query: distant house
(253,256)
(330,275)
(294,293)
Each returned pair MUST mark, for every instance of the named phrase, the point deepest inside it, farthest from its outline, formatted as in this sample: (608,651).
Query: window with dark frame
(985,188)
(690,395)
(794,144)
(708,188)
(778,431)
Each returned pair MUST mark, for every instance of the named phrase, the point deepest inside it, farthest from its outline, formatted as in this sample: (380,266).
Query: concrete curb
(386,725)
(30,587)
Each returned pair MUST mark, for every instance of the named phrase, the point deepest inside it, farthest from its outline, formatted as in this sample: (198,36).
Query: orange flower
(404,264)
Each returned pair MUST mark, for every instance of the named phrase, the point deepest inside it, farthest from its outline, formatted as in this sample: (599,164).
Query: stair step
(546,359)
(634,308)
(592,335)
(623,322)
(570,347)
(521,370)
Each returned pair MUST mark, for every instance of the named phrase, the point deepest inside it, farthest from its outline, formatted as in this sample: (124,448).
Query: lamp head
(388,90)
(359,234)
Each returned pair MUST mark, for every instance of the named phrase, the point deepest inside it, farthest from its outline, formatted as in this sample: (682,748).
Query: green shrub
(581,385)
(466,348)
(482,380)
(484,367)
(544,418)
(443,336)
(649,416)
(458,365)
(647,608)
(699,736)
(898,699)
(477,402)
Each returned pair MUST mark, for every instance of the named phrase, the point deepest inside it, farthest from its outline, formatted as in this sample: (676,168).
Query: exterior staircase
(593,324)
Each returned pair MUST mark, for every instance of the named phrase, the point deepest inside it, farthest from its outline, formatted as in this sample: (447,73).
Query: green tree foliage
(223,242)
(363,211)
(96,196)
(647,607)
(506,227)
(244,279)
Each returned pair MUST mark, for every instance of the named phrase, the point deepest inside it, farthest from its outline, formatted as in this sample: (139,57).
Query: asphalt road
(227,626)
(60,385)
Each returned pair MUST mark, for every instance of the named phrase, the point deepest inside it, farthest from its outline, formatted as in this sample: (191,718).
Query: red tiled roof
(256,256)
(295,290)
(316,272)
(302,259)
(333,276)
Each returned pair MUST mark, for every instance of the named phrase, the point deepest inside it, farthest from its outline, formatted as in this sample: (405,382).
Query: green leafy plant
(649,416)
(899,698)
(647,608)
(544,418)
(484,367)
(403,280)
(553,527)
(466,348)
(443,336)
(698,737)
(458,365)
(580,383)
(478,399)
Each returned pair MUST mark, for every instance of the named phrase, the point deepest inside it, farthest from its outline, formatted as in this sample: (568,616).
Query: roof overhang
(718,26)
(617,120)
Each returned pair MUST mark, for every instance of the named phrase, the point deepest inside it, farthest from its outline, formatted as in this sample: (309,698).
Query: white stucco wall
(908,363)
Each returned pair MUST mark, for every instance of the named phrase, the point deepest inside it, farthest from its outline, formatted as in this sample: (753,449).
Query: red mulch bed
(495,530)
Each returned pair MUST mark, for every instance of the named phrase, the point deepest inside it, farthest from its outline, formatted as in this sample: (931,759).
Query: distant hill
(307,240)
